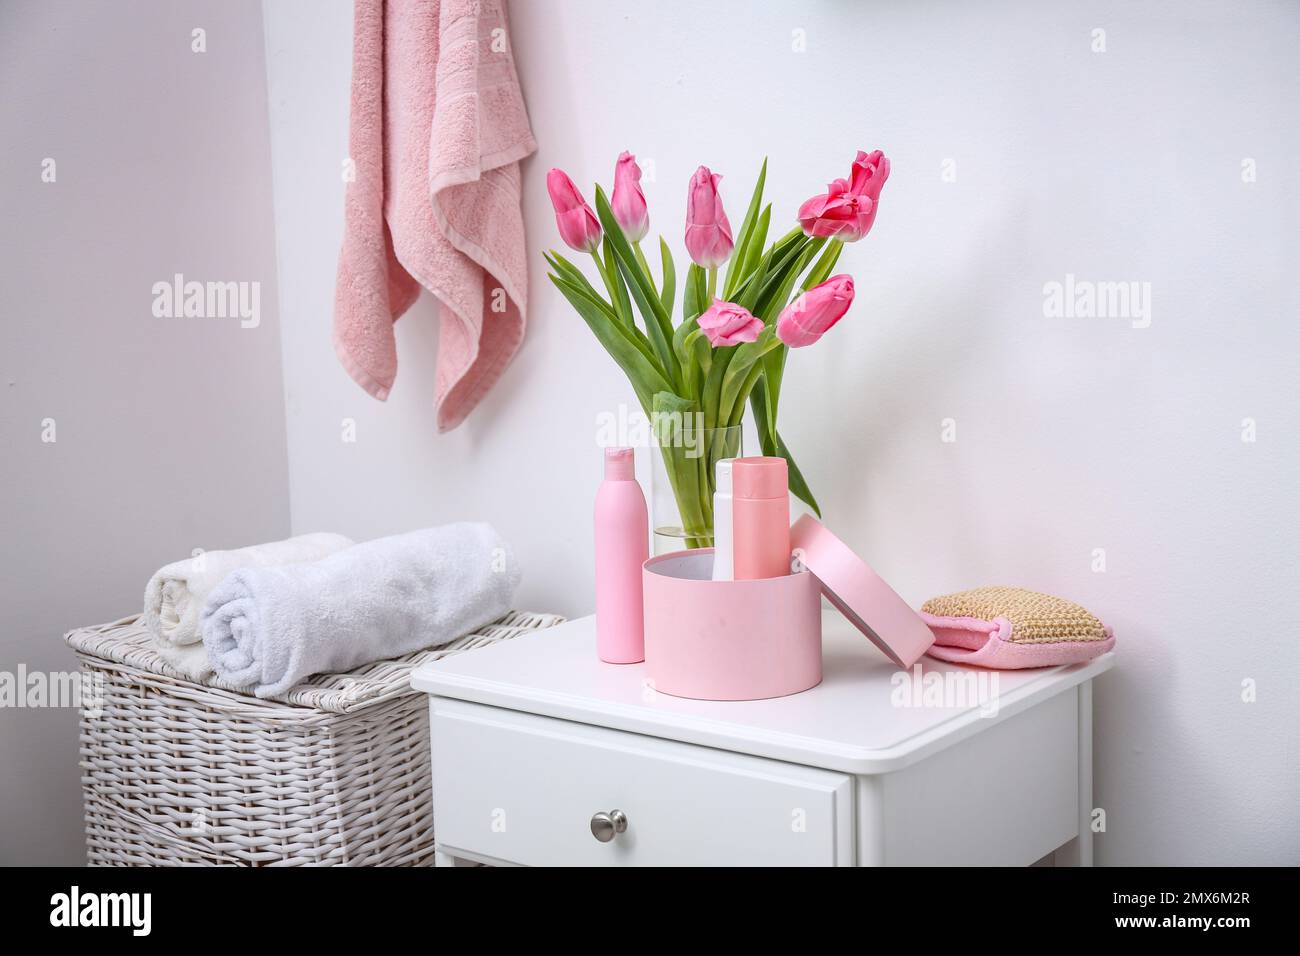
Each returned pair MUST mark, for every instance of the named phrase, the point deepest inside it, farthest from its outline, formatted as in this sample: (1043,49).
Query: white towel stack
(267,628)
(175,595)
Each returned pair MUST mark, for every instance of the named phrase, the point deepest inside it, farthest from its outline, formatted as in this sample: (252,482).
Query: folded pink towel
(438,128)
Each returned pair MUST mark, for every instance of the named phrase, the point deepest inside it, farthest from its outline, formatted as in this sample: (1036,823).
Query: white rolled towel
(175,595)
(268,628)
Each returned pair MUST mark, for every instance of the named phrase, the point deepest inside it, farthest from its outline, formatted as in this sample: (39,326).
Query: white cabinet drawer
(519,788)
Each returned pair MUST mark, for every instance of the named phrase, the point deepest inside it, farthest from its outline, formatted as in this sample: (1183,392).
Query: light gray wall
(169,432)
(1072,434)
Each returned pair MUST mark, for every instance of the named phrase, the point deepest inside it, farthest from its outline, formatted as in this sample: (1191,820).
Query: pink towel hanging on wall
(438,127)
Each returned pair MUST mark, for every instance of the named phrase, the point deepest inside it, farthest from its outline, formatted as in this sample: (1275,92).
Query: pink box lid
(860,594)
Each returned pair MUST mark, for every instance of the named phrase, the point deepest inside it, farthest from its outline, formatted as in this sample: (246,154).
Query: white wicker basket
(335,773)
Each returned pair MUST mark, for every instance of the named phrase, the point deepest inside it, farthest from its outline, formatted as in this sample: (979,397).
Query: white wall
(1072,434)
(169,433)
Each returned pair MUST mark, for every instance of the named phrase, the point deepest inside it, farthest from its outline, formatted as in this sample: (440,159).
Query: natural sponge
(1008,628)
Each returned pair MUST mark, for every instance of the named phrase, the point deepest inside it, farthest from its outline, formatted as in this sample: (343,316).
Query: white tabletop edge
(694,729)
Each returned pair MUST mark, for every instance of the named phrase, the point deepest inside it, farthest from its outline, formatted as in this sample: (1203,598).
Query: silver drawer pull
(606,826)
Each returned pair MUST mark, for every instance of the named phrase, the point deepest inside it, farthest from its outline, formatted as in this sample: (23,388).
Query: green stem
(684,475)
(690,456)
(688,346)
(738,409)
(820,272)
(713,286)
(728,400)
(609,287)
(711,392)
(640,258)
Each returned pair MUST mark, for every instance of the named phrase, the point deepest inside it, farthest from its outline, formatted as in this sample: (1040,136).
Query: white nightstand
(536,743)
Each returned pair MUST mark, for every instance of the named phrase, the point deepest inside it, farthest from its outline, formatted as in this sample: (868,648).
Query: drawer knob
(606,826)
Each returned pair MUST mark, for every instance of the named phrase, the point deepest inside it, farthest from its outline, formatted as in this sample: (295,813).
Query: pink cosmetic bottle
(760,518)
(622,546)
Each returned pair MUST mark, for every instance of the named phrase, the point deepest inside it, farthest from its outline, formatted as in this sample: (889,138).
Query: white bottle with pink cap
(622,546)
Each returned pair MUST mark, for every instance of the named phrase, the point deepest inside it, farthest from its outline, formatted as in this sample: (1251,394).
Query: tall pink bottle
(760,518)
(622,546)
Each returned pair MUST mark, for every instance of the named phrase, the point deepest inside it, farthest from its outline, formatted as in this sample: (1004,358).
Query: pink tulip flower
(869,173)
(847,210)
(807,318)
(628,202)
(725,323)
(708,233)
(578,225)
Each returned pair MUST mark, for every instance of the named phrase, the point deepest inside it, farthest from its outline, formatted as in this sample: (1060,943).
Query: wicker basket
(335,773)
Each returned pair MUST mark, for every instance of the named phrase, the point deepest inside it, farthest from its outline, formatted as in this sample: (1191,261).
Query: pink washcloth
(438,128)
(1009,628)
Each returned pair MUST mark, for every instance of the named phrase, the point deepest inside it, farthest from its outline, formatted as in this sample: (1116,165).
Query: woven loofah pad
(1035,618)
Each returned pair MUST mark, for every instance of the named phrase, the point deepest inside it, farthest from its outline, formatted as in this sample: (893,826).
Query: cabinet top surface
(866,716)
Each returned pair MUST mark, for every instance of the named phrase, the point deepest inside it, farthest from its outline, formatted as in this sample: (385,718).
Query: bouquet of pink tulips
(694,378)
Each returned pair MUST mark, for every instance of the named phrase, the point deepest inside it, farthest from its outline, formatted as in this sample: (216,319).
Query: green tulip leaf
(736,272)
(645,376)
(659,327)
(696,297)
(670,279)
(773,446)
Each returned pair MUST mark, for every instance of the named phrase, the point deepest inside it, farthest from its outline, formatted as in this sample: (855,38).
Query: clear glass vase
(682,476)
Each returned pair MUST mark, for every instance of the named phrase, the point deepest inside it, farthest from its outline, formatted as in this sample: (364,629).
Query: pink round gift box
(729,640)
